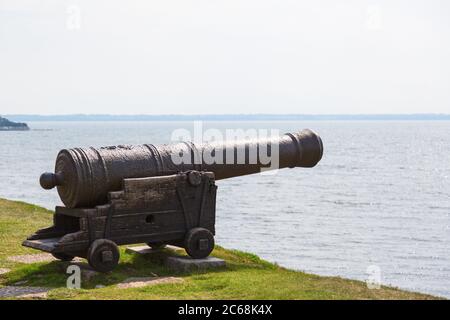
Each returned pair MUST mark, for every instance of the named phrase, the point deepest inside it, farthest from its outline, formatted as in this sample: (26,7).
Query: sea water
(378,201)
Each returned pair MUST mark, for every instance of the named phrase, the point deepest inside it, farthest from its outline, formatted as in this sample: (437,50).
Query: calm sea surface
(378,200)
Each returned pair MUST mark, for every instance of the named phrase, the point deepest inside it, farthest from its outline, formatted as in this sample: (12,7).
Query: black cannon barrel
(84,176)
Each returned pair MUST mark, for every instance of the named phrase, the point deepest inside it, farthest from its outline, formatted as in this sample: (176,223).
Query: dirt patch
(4,270)
(35,258)
(32,258)
(23,292)
(40,295)
(143,282)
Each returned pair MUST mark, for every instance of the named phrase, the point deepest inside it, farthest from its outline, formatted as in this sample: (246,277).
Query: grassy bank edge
(245,277)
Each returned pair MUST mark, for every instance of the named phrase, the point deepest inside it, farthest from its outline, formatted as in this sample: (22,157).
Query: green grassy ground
(245,277)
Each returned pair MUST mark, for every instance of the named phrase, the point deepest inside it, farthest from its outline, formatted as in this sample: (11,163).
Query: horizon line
(226,117)
(219,114)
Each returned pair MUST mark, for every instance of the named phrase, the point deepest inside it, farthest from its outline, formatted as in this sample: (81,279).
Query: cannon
(150,194)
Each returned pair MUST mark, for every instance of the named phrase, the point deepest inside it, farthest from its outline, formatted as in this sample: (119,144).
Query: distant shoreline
(14,128)
(7,125)
(231,117)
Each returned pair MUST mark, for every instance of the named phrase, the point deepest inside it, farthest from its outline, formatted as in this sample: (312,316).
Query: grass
(245,277)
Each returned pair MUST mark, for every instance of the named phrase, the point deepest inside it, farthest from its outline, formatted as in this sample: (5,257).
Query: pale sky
(224,56)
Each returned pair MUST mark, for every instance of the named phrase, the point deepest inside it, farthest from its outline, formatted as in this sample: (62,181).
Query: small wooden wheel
(63,256)
(199,243)
(103,255)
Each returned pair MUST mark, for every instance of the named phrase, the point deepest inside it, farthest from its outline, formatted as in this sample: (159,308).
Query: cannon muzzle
(84,176)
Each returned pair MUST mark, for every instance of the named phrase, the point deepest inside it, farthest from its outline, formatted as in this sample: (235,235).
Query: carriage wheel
(199,243)
(103,255)
(63,256)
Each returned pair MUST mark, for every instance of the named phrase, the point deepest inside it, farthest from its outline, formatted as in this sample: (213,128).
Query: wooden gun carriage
(176,209)
(137,194)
